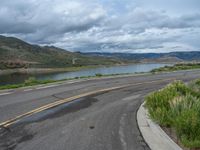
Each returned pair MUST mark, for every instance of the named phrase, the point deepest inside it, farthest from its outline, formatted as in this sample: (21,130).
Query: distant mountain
(15,53)
(152,57)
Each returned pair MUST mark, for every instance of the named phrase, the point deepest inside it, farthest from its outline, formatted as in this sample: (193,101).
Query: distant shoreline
(57,70)
(43,70)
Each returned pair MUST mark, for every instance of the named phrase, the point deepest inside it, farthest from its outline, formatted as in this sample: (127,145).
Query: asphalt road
(101,121)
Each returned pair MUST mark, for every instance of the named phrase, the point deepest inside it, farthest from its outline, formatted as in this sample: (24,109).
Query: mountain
(152,57)
(15,53)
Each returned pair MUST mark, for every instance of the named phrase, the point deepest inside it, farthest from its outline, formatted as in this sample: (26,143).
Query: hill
(153,57)
(15,53)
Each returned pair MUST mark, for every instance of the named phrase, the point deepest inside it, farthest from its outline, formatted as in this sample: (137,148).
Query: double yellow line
(60,102)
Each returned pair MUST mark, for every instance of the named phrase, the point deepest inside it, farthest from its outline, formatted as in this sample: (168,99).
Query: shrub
(195,88)
(30,81)
(98,75)
(178,106)
(158,103)
(197,82)
(187,126)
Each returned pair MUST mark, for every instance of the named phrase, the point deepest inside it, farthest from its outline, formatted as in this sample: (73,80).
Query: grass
(178,106)
(176,67)
(32,81)
(29,82)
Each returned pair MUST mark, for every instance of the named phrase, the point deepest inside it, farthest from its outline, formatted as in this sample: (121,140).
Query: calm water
(134,68)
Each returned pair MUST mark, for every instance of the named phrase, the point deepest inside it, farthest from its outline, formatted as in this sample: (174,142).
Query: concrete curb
(152,133)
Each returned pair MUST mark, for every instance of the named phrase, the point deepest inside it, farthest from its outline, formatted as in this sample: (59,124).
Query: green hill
(15,53)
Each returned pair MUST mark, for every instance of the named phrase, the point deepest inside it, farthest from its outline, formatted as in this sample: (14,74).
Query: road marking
(1,94)
(28,90)
(51,105)
(54,104)
(121,132)
(130,98)
(44,87)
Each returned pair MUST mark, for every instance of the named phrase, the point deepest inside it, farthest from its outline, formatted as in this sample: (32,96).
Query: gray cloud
(40,19)
(93,25)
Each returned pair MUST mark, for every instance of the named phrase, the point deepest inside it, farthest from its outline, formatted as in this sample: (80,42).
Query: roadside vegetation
(177,106)
(29,82)
(33,81)
(176,67)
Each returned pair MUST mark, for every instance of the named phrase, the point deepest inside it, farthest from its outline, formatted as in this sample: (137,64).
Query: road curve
(104,120)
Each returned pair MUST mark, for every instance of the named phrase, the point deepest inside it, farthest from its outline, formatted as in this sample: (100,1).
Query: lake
(132,68)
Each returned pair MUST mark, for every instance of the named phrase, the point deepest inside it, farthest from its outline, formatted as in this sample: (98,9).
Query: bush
(187,126)
(197,82)
(30,81)
(98,75)
(178,106)
(158,103)
(195,88)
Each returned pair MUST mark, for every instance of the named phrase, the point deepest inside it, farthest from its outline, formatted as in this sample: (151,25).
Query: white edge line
(28,90)
(44,87)
(1,94)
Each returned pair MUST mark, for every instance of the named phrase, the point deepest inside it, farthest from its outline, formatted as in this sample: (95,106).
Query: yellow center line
(54,104)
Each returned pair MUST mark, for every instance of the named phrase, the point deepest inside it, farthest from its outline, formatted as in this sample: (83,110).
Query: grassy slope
(15,53)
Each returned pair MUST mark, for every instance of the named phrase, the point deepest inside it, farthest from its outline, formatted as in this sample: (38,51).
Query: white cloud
(93,25)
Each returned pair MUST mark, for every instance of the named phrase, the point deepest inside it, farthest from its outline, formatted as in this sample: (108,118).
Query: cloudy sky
(105,25)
